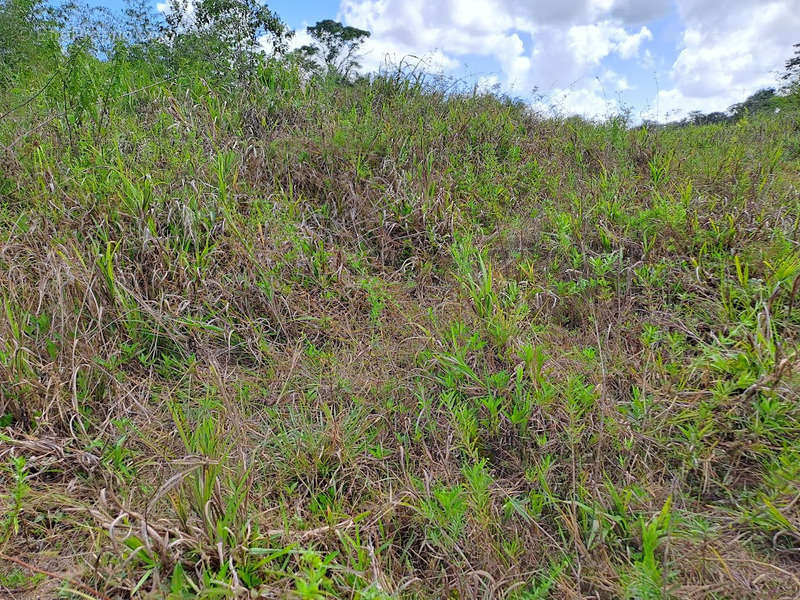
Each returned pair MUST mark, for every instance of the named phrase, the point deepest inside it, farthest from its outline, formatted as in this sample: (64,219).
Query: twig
(776,375)
(792,576)
(304,535)
(30,131)
(89,590)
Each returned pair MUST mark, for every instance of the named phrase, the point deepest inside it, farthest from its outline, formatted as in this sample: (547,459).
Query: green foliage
(88,27)
(792,66)
(224,36)
(14,500)
(142,25)
(24,25)
(270,335)
(336,45)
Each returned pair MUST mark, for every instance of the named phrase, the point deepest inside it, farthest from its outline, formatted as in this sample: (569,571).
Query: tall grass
(310,339)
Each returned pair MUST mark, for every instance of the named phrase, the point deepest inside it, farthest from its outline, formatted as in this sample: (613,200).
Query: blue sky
(659,58)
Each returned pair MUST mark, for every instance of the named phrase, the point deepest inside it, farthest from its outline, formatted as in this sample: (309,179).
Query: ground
(321,340)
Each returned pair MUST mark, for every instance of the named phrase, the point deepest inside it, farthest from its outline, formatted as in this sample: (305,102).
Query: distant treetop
(336,45)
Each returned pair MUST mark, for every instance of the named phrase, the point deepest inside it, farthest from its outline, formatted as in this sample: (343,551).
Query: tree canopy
(231,34)
(336,45)
(793,66)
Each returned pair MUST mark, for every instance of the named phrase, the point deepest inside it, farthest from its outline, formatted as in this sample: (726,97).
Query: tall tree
(336,45)
(95,28)
(793,64)
(241,23)
(228,33)
(757,102)
(792,76)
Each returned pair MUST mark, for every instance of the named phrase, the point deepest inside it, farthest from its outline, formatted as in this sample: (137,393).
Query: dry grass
(374,341)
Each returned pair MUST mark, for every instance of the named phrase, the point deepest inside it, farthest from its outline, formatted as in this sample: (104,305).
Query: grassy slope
(369,342)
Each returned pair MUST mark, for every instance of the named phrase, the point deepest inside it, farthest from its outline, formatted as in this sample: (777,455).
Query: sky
(659,59)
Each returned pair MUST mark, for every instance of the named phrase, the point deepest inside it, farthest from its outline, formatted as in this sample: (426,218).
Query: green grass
(317,340)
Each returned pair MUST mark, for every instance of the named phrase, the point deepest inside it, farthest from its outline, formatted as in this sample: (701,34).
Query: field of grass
(314,340)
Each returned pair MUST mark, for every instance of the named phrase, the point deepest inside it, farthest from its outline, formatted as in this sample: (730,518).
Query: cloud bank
(587,56)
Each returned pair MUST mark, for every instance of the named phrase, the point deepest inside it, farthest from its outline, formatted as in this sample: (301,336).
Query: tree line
(227,39)
(763,100)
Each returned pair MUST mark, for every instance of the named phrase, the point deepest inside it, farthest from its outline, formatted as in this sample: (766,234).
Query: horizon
(657,60)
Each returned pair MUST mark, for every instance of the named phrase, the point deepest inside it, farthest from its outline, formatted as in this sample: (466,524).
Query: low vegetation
(312,337)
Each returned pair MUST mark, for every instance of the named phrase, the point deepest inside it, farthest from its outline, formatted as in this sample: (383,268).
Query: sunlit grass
(372,340)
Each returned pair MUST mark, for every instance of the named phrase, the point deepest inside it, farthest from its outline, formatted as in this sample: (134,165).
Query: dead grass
(371,341)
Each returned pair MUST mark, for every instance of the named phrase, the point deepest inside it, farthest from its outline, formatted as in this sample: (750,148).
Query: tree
(761,100)
(697,117)
(792,74)
(334,44)
(241,23)
(95,28)
(141,24)
(792,78)
(23,23)
(227,33)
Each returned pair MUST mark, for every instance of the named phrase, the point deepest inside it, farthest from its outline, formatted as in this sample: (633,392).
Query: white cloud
(571,12)
(672,104)
(726,55)
(453,31)
(441,31)
(647,61)
(300,38)
(379,54)
(592,43)
(184,6)
(617,81)
(589,101)
(488,83)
